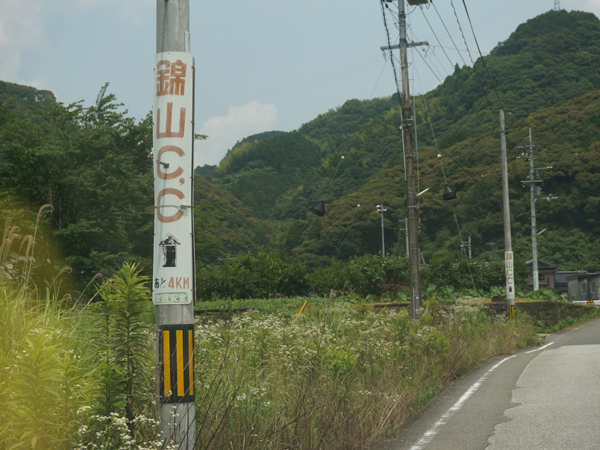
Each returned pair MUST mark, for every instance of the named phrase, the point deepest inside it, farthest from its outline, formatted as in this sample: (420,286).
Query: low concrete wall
(546,313)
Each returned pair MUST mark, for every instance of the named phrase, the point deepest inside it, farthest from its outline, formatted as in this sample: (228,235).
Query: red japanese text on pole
(173,135)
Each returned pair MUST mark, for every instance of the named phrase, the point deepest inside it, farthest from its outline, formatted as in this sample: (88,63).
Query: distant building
(546,273)
(549,277)
(560,280)
(584,286)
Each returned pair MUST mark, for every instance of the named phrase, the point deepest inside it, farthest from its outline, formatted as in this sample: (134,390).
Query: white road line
(434,430)
(540,348)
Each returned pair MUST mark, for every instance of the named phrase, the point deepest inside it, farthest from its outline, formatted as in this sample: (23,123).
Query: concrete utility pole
(409,158)
(381,209)
(533,190)
(508,253)
(173,262)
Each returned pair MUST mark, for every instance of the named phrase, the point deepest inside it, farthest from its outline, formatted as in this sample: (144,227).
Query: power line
(436,37)
(449,35)
(429,67)
(481,55)
(477,77)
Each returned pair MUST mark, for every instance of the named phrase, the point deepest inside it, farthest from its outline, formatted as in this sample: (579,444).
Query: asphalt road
(545,398)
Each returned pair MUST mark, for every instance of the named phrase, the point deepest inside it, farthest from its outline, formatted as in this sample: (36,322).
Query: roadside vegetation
(567,322)
(81,374)
(337,378)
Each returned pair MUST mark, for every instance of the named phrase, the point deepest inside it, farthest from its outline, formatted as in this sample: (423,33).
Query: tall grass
(59,365)
(338,379)
(41,376)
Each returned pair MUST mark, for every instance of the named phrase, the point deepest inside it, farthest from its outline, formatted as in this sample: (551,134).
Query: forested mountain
(548,68)
(94,166)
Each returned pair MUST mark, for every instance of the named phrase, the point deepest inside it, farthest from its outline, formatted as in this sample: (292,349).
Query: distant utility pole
(407,134)
(535,192)
(556,5)
(508,253)
(381,209)
(173,281)
(468,246)
(532,189)
(492,245)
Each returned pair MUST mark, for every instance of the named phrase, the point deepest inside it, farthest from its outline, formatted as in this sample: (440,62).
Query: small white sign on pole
(510,275)
(173,262)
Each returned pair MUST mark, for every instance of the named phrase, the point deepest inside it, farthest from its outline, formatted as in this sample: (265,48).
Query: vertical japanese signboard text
(173,134)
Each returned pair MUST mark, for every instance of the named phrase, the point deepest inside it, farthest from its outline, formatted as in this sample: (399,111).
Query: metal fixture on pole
(173,262)
(508,253)
(405,229)
(381,209)
(409,157)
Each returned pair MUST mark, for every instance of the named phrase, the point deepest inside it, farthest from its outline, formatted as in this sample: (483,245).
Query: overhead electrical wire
(417,166)
(449,35)
(451,48)
(431,63)
(430,69)
(445,182)
(423,97)
(477,77)
(445,178)
(308,230)
(398,91)
(481,56)
(465,169)
(435,139)
(393,60)
(436,37)
(442,72)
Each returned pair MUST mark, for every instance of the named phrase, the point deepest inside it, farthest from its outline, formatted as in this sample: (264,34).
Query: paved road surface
(540,399)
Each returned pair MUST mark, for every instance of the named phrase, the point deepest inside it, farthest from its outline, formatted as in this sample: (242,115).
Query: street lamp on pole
(381,209)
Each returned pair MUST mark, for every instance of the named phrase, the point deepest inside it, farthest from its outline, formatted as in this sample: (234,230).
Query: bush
(265,275)
(363,275)
(482,276)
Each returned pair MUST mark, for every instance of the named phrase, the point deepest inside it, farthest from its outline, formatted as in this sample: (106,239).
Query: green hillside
(548,67)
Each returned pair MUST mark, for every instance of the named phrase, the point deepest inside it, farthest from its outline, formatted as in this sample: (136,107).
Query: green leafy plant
(123,339)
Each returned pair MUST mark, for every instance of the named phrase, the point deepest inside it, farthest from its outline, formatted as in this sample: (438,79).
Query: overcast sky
(260,64)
